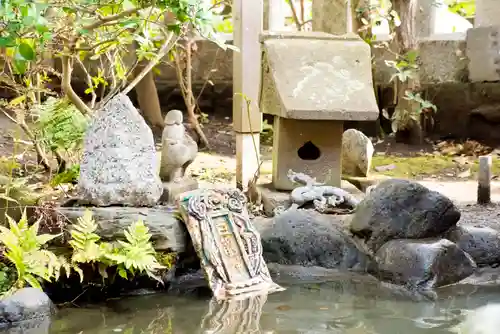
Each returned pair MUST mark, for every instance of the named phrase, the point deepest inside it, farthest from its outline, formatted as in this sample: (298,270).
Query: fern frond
(84,240)
(23,250)
(60,125)
(137,252)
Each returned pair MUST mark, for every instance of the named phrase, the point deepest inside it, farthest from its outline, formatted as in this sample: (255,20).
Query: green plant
(96,37)
(410,104)
(135,255)
(7,278)
(266,135)
(70,175)
(8,165)
(24,251)
(168,259)
(17,190)
(84,240)
(465,8)
(60,125)
(402,118)
(406,69)
(224,26)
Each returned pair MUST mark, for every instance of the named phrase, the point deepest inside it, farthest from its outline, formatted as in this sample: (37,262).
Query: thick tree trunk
(406,41)
(149,103)
(406,33)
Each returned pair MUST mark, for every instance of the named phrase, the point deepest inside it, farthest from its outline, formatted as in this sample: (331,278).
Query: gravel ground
(464,193)
(480,215)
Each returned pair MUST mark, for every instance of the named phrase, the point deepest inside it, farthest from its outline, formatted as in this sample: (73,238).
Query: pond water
(327,307)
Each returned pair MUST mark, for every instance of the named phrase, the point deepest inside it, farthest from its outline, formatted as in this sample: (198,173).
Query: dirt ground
(431,161)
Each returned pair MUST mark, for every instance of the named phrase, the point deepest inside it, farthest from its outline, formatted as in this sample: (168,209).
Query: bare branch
(167,45)
(106,19)
(67,69)
(88,77)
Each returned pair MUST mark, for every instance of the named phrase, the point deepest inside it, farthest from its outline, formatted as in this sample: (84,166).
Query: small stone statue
(325,199)
(178,148)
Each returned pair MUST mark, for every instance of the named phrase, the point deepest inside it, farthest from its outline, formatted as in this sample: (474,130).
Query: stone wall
(443,74)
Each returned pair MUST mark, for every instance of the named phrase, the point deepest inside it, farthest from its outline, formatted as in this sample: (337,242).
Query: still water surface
(328,307)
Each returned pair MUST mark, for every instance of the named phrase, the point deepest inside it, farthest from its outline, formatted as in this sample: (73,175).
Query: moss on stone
(428,165)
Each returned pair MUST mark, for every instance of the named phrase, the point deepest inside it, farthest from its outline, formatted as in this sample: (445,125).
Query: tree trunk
(406,41)
(149,103)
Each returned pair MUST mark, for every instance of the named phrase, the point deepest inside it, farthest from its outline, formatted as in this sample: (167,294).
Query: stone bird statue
(178,148)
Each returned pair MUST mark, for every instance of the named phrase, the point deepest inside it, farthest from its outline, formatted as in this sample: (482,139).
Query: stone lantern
(312,82)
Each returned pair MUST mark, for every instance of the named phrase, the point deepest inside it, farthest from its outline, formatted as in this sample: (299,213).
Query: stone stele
(119,164)
(227,243)
(312,82)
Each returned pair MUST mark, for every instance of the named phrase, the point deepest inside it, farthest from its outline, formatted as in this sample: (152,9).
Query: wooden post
(484,180)
(247,27)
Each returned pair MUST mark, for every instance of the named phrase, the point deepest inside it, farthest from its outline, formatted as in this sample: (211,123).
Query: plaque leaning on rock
(226,242)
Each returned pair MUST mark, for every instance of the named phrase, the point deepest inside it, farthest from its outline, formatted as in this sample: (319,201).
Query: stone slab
(272,198)
(317,76)
(168,233)
(483,51)
(172,190)
(227,243)
(442,61)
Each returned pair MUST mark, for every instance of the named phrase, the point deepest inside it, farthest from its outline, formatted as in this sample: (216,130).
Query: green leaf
(28,20)
(26,51)
(79,272)
(44,238)
(20,66)
(7,42)
(40,28)
(122,272)
(31,280)
(69,10)
(47,36)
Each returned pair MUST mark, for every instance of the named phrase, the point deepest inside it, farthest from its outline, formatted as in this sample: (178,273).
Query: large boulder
(26,311)
(119,164)
(422,264)
(307,238)
(357,153)
(482,243)
(401,209)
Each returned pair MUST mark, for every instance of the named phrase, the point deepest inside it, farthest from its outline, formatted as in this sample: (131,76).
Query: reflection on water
(235,316)
(309,308)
